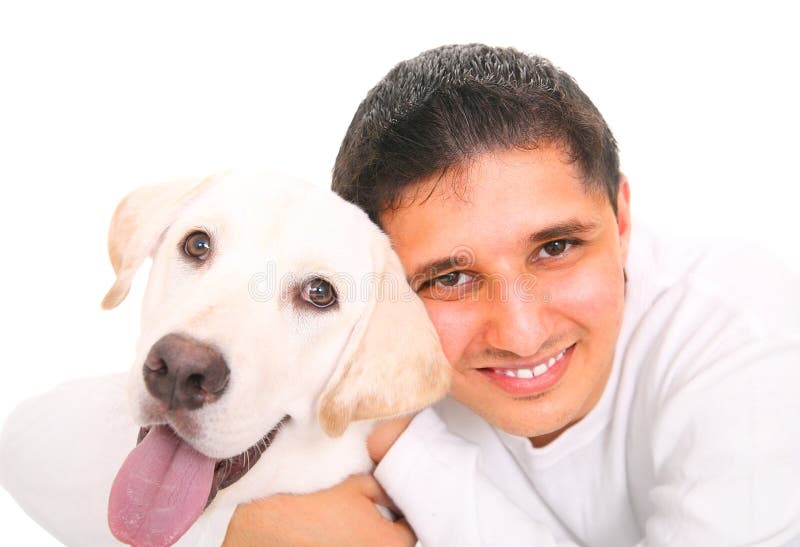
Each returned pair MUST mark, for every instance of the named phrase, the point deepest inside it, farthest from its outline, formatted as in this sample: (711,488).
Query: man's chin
(530,416)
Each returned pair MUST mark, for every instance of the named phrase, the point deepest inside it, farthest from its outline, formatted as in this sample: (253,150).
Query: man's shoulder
(696,278)
(704,308)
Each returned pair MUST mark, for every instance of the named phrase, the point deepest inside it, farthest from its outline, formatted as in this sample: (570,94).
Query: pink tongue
(160,490)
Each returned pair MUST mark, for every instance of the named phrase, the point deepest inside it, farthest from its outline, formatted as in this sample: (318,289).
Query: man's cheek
(587,294)
(454,329)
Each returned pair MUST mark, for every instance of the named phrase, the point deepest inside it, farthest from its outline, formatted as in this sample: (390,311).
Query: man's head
(498,182)
(431,114)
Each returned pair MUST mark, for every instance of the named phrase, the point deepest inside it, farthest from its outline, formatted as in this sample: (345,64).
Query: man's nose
(516,322)
(185,373)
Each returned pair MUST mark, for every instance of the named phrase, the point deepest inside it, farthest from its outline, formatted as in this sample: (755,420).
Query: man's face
(521,271)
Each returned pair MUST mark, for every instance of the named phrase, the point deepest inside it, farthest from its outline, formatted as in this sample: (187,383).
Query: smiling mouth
(164,484)
(531,371)
(530,379)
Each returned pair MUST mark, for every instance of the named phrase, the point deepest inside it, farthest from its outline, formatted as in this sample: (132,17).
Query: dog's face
(268,300)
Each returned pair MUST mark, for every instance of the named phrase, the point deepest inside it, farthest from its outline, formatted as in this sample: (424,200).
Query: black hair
(429,115)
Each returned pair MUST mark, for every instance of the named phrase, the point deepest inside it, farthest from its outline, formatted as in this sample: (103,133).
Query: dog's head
(268,300)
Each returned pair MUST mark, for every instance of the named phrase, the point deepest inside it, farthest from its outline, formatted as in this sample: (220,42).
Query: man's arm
(433,477)
(60,451)
(445,498)
(342,516)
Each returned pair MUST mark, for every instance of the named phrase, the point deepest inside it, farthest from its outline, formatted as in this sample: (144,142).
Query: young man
(610,388)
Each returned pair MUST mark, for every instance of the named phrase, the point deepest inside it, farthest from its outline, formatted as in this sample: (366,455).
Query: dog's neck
(303,458)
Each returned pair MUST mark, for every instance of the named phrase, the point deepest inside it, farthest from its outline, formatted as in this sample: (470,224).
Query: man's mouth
(164,485)
(530,378)
(533,370)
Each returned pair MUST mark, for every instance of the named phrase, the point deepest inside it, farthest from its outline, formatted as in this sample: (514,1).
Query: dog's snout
(185,373)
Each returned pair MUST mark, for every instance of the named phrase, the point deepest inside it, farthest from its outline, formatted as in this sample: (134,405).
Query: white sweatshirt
(695,441)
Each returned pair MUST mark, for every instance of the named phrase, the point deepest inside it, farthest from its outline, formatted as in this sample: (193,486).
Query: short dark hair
(431,114)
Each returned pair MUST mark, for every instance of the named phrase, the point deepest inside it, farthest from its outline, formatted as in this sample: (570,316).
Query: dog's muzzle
(165,484)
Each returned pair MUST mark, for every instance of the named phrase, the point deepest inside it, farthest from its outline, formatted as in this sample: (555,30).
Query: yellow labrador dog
(277,324)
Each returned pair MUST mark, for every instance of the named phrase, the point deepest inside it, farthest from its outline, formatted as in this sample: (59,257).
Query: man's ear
(138,222)
(624,214)
(393,363)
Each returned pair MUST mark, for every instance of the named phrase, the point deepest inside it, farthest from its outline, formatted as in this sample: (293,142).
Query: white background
(98,98)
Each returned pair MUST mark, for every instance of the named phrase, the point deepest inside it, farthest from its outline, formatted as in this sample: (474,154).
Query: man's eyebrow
(562,230)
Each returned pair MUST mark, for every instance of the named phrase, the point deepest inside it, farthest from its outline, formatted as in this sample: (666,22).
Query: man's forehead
(458,183)
(509,202)
(494,182)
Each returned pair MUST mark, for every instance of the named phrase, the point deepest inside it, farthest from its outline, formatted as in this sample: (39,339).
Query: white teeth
(526,373)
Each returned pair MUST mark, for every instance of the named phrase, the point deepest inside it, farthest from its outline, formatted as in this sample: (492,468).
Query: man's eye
(449,286)
(452,279)
(554,248)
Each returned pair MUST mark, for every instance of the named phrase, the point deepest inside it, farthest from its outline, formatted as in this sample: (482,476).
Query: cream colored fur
(334,371)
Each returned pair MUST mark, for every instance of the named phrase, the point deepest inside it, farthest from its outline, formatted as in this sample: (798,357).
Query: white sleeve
(59,453)
(434,478)
(725,451)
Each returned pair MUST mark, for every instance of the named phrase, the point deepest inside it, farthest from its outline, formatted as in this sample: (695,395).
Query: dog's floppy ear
(393,363)
(138,222)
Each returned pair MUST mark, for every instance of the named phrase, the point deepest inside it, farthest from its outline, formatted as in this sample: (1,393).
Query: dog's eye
(319,292)
(197,245)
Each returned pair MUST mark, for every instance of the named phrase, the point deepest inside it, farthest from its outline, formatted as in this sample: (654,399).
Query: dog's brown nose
(185,373)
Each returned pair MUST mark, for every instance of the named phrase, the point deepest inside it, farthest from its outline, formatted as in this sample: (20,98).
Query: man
(610,388)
